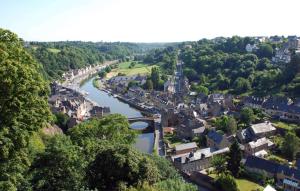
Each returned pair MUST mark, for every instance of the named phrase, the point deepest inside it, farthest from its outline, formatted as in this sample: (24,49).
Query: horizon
(144,21)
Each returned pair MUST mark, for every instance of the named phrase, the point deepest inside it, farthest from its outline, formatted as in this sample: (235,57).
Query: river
(144,141)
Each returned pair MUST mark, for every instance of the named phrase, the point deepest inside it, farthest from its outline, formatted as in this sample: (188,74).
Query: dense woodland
(95,155)
(223,65)
(59,57)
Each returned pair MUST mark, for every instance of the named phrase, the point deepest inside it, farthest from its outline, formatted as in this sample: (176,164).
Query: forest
(223,65)
(59,57)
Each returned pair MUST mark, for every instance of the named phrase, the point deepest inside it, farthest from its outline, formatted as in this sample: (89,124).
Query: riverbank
(144,141)
(156,130)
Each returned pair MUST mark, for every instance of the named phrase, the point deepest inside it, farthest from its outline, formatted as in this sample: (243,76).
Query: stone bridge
(149,120)
(142,119)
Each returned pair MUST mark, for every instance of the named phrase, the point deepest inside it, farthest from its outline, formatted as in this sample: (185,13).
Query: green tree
(226,182)
(202,89)
(119,165)
(241,85)
(290,145)
(247,115)
(155,77)
(265,50)
(23,108)
(149,84)
(175,185)
(61,167)
(61,120)
(133,83)
(234,159)
(219,163)
(96,134)
(227,124)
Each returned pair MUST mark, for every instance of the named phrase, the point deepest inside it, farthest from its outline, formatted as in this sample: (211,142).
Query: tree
(23,108)
(265,50)
(61,120)
(218,162)
(241,85)
(61,167)
(149,84)
(96,134)
(165,168)
(232,125)
(290,145)
(234,159)
(226,124)
(119,164)
(175,184)
(202,89)
(102,74)
(247,115)
(155,77)
(226,182)
(133,83)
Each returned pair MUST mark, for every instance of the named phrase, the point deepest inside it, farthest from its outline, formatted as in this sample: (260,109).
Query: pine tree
(234,159)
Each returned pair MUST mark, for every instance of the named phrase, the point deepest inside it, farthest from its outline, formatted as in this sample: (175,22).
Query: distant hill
(58,57)
(224,65)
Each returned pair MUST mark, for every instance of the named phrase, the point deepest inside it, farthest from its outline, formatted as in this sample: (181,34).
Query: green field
(244,184)
(284,125)
(124,68)
(53,50)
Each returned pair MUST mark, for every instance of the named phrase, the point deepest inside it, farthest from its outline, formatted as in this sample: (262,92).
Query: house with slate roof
(216,140)
(196,160)
(287,178)
(277,107)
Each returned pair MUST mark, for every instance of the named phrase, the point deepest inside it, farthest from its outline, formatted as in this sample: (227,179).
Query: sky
(148,20)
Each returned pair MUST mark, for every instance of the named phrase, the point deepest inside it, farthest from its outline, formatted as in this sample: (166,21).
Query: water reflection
(145,141)
(139,125)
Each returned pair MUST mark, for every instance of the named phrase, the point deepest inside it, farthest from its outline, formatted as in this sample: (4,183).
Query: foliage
(61,120)
(23,106)
(223,64)
(290,145)
(247,115)
(175,185)
(226,124)
(226,182)
(218,162)
(234,159)
(149,84)
(59,57)
(165,168)
(199,89)
(118,165)
(61,166)
(96,134)
(156,78)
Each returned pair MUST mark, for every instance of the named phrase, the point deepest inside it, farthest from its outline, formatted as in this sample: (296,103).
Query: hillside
(224,65)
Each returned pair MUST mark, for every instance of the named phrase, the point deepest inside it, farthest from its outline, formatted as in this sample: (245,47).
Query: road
(159,137)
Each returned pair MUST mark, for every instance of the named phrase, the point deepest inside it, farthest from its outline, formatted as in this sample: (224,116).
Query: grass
(172,139)
(244,184)
(53,50)
(284,125)
(278,159)
(124,68)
